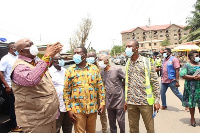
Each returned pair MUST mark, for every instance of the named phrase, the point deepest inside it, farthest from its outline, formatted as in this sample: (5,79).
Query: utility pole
(113,46)
(150,33)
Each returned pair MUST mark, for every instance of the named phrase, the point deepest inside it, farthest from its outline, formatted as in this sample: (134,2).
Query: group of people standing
(48,96)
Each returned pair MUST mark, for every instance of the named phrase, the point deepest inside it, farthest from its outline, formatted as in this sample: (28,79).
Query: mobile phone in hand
(154,114)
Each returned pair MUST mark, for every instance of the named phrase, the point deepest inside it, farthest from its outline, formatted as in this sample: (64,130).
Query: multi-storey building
(158,34)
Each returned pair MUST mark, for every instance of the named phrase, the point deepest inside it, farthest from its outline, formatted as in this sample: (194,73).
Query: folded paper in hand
(197,72)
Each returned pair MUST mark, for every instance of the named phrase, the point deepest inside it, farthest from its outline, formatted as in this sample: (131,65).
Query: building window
(149,44)
(137,33)
(161,31)
(144,33)
(127,34)
(155,44)
(185,33)
(175,43)
(175,34)
(161,35)
(175,39)
(142,45)
(137,37)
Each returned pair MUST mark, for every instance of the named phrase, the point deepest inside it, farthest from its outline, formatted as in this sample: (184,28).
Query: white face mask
(34,50)
(102,65)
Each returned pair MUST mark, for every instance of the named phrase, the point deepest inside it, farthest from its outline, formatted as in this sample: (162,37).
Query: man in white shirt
(57,73)
(6,65)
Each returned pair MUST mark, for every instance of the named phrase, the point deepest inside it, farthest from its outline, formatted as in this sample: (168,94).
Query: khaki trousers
(48,128)
(103,118)
(134,112)
(85,122)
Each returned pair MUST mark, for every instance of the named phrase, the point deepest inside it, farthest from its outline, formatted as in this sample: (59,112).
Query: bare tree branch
(81,34)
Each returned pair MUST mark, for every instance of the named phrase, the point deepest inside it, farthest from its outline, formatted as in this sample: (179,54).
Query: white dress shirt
(58,81)
(6,65)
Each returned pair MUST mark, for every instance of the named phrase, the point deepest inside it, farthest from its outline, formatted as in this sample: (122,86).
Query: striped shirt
(136,93)
(25,76)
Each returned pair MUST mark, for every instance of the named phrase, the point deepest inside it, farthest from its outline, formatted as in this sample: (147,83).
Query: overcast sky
(56,20)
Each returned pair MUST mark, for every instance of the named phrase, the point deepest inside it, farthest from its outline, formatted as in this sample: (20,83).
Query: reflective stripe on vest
(149,89)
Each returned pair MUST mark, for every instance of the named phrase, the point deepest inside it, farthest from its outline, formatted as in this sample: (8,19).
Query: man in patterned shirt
(136,96)
(82,85)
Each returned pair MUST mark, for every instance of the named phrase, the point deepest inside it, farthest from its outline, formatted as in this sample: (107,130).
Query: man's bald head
(134,43)
(92,54)
(22,43)
(103,57)
(23,47)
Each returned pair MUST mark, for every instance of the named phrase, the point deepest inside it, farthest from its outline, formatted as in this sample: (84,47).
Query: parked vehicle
(117,60)
(123,60)
(112,59)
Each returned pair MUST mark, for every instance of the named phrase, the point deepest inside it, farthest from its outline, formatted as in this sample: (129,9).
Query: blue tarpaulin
(3,39)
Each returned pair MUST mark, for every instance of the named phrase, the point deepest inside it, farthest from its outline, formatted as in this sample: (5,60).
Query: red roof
(153,27)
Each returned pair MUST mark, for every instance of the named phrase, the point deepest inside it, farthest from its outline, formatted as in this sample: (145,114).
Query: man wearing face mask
(141,89)
(57,72)
(6,65)
(92,57)
(36,101)
(114,80)
(170,76)
(82,85)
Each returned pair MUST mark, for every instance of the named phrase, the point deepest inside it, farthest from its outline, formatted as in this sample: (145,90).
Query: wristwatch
(177,81)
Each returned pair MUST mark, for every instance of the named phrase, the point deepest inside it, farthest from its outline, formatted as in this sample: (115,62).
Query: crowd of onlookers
(45,97)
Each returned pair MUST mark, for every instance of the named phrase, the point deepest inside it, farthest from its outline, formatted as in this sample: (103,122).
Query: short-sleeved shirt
(6,65)
(176,65)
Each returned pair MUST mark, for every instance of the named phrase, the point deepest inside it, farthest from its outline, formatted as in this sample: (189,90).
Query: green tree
(166,42)
(193,23)
(117,49)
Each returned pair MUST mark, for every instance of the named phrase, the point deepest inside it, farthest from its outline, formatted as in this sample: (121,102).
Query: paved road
(172,120)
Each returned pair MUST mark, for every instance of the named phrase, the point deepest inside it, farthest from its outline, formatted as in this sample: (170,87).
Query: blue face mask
(164,55)
(129,52)
(196,59)
(77,58)
(90,60)
(61,63)
(16,53)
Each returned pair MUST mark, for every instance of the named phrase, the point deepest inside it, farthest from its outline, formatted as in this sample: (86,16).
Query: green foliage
(117,49)
(193,23)
(166,42)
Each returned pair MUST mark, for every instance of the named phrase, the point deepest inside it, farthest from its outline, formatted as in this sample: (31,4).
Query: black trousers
(11,100)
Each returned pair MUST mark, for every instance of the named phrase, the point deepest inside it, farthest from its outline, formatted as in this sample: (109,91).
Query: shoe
(163,107)
(193,124)
(17,129)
